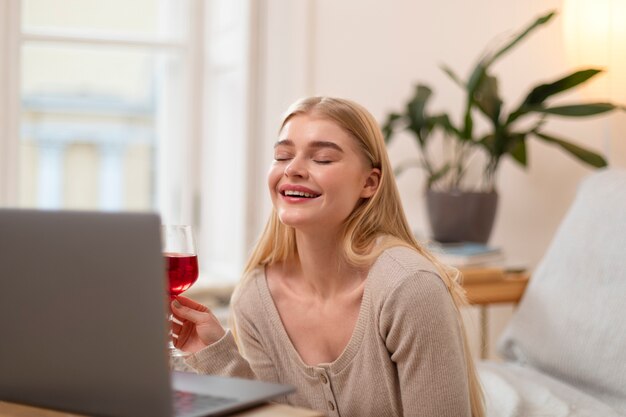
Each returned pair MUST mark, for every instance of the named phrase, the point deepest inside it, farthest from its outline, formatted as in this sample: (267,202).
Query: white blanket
(512,390)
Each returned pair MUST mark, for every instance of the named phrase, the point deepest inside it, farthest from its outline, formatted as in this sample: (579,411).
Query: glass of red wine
(181,263)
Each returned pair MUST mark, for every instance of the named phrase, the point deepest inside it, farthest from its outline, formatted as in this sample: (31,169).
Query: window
(142,105)
(104,104)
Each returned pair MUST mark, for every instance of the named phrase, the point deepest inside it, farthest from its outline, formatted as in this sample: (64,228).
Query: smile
(300,194)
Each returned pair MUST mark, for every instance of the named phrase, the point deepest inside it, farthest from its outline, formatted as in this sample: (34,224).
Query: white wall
(374,52)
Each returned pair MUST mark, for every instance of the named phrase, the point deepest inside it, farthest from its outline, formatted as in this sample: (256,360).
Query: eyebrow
(314,144)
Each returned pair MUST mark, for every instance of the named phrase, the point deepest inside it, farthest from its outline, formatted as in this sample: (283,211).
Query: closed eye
(282,156)
(324,157)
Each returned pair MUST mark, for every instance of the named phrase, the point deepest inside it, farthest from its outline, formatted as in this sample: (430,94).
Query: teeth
(298,194)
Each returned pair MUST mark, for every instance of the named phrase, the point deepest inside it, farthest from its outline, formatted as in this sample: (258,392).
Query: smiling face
(319,174)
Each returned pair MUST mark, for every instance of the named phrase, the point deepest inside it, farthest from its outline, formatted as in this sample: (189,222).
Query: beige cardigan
(405,356)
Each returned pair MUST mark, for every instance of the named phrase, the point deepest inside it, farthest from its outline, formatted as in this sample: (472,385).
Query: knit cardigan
(405,356)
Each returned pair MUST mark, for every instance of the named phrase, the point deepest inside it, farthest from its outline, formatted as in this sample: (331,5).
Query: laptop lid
(82,312)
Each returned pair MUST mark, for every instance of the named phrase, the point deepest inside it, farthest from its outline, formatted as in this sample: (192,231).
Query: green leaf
(543,91)
(388,126)
(488,100)
(452,75)
(416,112)
(489,143)
(443,120)
(476,77)
(466,133)
(577,110)
(538,22)
(518,149)
(585,155)
(540,93)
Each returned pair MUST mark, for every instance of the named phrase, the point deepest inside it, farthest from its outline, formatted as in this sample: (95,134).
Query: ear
(371,183)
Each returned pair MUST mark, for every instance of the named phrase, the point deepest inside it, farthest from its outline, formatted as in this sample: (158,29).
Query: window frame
(9,102)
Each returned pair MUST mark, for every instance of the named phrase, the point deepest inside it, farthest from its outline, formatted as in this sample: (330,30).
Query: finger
(187,302)
(177,318)
(183,335)
(180,320)
(186,313)
(176,328)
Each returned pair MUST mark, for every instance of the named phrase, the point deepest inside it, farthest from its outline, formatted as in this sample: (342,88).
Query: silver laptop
(83,321)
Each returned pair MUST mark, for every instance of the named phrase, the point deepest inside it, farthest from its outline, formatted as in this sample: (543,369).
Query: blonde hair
(376,224)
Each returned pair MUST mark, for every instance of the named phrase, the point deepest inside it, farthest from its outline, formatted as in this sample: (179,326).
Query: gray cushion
(571,323)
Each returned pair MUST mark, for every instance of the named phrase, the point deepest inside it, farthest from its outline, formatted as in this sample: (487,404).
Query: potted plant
(457,210)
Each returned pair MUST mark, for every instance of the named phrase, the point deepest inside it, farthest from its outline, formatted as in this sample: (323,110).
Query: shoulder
(409,294)
(405,283)
(406,258)
(401,267)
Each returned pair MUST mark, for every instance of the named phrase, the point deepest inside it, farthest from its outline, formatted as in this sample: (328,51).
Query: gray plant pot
(459,216)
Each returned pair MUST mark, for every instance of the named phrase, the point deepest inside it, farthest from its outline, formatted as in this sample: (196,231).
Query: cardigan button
(323,379)
(331,406)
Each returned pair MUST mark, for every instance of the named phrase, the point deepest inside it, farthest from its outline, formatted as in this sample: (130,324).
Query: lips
(297,191)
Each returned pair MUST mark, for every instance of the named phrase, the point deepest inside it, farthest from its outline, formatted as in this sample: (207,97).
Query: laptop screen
(83,312)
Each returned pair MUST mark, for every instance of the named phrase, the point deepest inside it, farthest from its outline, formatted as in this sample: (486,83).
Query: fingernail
(177,304)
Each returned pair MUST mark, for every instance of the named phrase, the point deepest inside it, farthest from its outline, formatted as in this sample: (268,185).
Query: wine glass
(181,263)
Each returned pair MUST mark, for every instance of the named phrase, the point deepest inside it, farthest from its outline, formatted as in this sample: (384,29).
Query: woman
(338,299)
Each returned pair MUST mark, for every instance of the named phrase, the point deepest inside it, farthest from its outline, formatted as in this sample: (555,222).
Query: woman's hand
(199,327)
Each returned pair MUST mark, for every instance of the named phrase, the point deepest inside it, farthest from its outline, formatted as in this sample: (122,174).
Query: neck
(322,267)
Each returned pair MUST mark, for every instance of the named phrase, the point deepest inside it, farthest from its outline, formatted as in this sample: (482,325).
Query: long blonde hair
(376,224)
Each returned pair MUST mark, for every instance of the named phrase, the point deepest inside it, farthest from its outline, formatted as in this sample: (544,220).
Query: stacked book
(466,254)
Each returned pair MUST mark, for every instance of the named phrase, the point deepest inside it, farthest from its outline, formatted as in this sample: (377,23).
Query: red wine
(182,271)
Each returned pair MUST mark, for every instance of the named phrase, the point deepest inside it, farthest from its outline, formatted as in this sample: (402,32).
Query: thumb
(187,313)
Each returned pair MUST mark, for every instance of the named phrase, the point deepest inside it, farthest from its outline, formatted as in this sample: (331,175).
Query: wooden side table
(486,286)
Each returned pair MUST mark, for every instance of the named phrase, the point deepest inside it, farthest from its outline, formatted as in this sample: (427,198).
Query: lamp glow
(595,36)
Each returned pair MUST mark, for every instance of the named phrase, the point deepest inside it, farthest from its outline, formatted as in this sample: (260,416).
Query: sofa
(564,350)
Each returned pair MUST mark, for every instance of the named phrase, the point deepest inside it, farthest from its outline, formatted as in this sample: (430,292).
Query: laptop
(83,321)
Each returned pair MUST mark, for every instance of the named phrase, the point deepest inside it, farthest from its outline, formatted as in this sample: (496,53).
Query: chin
(301,221)
(294,221)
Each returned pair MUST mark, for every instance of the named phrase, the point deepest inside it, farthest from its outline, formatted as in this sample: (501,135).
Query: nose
(296,168)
